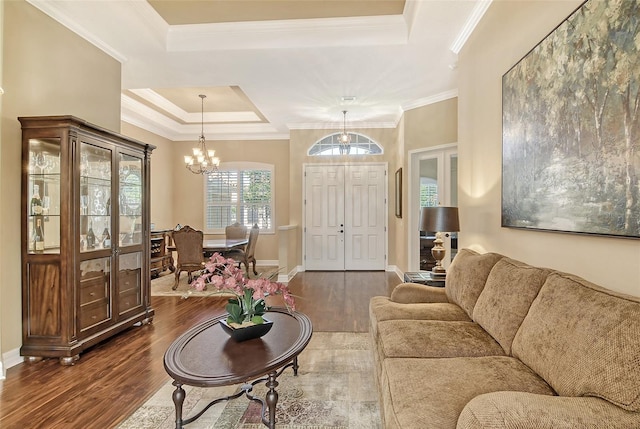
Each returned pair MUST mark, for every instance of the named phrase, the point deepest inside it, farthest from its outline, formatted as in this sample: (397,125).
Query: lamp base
(438,252)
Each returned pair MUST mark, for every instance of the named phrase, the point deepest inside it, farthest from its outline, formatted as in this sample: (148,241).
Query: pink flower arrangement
(248,305)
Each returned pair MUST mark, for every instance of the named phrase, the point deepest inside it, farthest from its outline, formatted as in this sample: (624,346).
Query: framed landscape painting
(571,131)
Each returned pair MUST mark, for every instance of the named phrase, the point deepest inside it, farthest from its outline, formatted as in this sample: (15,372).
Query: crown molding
(476,15)
(219,117)
(60,12)
(170,135)
(430,100)
(352,128)
(291,33)
(136,113)
(144,117)
(91,20)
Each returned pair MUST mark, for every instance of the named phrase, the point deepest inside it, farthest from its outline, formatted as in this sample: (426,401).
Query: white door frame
(304,207)
(413,217)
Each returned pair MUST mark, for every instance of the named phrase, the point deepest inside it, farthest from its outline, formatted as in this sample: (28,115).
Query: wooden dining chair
(236,231)
(188,243)
(248,255)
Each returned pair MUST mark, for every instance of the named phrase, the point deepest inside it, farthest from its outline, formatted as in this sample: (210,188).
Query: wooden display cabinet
(85,236)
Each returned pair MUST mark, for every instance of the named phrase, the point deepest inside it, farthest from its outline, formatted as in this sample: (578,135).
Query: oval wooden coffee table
(206,356)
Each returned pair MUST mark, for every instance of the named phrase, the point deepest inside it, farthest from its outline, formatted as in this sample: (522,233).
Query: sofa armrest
(411,293)
(521,410)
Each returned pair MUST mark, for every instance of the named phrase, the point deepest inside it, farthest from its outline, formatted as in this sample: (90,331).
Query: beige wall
(397,226)
(424,127)
(432,125)
(507,32)
(188,195)
(162,161)
(47,70)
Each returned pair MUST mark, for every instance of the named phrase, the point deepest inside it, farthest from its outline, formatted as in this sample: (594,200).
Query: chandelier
(344,139)
(203,160)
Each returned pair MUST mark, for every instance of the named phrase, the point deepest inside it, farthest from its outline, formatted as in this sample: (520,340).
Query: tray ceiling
(268,66)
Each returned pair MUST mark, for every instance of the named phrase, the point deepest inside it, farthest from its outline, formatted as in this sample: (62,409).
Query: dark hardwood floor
(114,378)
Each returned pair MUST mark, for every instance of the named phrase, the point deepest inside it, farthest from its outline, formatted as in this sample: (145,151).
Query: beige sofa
(507,345)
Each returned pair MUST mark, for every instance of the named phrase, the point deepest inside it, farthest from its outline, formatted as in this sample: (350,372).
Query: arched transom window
(359,145)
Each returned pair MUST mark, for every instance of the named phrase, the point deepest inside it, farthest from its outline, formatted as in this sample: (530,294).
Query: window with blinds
(428,192)
(243,195)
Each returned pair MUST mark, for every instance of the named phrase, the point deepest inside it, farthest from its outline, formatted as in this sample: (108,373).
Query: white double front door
(345,217)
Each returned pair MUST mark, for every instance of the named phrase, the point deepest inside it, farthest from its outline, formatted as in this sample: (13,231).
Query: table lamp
(439,220)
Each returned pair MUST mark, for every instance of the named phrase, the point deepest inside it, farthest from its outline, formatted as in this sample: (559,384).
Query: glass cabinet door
(43,209)
(95,198)
(130,199)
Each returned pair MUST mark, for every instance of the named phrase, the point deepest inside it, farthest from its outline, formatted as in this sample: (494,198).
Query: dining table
(211,246)
(218,244)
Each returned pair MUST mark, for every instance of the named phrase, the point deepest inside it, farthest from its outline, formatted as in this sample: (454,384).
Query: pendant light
(203,160)
(344,139)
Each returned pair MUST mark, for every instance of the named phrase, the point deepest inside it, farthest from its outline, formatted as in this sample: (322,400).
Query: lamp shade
(439,219)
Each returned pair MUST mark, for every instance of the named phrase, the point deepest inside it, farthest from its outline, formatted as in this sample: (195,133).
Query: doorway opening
(433,181)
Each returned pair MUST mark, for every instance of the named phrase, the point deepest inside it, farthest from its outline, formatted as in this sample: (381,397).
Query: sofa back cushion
(505,300)
(466,277)
(584,340)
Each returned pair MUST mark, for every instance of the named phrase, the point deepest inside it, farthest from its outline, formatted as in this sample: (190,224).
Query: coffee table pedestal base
(268,404)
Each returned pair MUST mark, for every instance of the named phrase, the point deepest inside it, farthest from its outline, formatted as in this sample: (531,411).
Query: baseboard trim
(285,278)
(395,269)
(10,359)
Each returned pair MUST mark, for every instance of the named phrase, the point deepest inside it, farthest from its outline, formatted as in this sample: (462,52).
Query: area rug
(335,389)
(161,286)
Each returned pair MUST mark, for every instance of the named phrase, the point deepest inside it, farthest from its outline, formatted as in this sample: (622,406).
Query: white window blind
(243,195)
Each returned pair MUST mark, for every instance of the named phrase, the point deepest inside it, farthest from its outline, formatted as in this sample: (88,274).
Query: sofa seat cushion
(382,308)
(467,276)
(435,338)
(431,393)
(519,410)
(584,340)
(505,300)
(431,339)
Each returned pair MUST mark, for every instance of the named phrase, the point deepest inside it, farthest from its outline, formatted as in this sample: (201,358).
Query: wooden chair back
(188,243)
(253,239)
(247,255)
(235,231)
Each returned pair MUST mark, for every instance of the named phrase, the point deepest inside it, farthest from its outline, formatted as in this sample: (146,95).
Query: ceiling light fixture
(202,161)
(344,139)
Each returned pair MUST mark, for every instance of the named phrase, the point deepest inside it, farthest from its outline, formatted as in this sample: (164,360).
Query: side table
(424,278)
